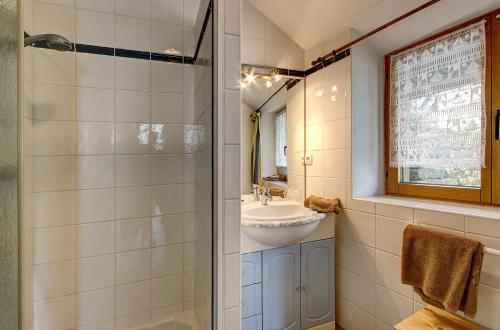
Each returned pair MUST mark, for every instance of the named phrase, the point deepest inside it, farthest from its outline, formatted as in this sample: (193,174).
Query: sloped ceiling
(310,22)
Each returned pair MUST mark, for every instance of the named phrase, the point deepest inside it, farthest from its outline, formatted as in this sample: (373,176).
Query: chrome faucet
(256,195)
(266,197)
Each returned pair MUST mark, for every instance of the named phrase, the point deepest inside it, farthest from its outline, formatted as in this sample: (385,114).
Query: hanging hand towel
(444,269)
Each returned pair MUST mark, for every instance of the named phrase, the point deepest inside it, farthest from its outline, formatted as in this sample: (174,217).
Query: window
(438,116)
(281,144)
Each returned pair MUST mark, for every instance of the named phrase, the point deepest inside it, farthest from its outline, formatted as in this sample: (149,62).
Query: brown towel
(278,192)
(322,205)
(444,269)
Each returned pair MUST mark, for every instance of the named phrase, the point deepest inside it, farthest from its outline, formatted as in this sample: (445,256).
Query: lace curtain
(437,102)
(281,143)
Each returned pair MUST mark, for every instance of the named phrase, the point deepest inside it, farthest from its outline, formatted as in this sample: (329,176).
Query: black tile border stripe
(203,30)
(336,58)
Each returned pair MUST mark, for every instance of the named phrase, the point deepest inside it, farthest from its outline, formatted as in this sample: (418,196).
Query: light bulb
(250,77)
(319,93)
(269,83)
(334,88)
(277,77)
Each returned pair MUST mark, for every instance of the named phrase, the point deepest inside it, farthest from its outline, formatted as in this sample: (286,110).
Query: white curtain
(281,143)
(437,102)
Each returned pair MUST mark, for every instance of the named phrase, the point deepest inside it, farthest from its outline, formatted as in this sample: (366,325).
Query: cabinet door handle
(304,288)
(297,289)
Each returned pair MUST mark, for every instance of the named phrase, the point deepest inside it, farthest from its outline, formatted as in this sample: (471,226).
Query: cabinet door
(281,288)
(318,280)
(251,268)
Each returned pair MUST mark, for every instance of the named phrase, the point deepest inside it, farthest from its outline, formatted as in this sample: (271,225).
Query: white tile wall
(369,294)
(109,169)
(262,42)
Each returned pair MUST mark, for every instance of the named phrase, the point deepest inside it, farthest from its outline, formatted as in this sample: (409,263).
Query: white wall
(369,232)
(263,43)
(113,186)
(295,119)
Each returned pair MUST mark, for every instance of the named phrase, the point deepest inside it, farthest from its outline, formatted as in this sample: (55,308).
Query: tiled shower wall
(114,141)
(369,294)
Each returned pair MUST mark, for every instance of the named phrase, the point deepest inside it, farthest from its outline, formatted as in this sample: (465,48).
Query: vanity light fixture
(250,77)
(269,84)
(276,77)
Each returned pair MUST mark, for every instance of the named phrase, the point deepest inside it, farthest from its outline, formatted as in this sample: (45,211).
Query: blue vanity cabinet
(281,285)
(289,288)
(317,274)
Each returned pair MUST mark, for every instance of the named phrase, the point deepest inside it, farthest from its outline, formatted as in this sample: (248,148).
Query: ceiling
(256,93)
(311,22)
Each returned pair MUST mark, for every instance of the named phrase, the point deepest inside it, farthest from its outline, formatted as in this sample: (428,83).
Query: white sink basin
(279,223)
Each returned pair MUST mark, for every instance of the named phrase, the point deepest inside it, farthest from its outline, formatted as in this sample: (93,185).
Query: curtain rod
(369,34)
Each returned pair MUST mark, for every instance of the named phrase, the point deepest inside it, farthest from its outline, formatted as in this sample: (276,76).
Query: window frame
(393,184)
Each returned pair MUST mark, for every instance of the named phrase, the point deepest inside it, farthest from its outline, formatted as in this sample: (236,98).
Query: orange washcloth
(322,205)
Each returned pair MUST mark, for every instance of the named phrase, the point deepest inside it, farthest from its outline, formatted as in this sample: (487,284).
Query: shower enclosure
(116,164)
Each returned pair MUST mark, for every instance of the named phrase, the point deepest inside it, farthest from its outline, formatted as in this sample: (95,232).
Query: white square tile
(341,281)
(231,282)
(358,319)
(95,138)
(188,286)
(107,6)
(173,138)
(167,260)
(314,140)
(358,226)
(482,226)
(166,36)
(232,17)
(53,279)
(95,28)
(132,73)
(335,134)
(167,229)
(167,291)
(95,104)
(168,169)
(54,244)
(340,311)
(232,226)
(133,298)
(95,239)
(361,292)
(132,106)
(133,234)
(53,102)
(106,325)
(95,70)
(361,260)
(54,209)
(314,186)
(48,18)
(440,219)
(166,77)
(392,307)
(133,266)
(189,257)
(132,33)
(168,108)
(134,8)
(335,163)
(95,172)
(167,10)
(253,25)
(231,171)
(335,188)
(57,313)
(51,67)
(315,111)
(95,306)
(132,138)
(171,199)
(390,234)
(132,170)
(232,65)
(54,138)
(392,211)
(54,173)
(132,202)
(388,273)
(95,272)
(95,205)
(133,320)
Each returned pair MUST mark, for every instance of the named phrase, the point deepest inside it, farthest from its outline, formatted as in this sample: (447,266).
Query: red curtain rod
(369,34)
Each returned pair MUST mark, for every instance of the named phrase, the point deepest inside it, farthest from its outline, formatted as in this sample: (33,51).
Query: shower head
(51,41)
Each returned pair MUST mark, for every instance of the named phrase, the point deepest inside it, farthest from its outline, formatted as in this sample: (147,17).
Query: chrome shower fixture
(51,41)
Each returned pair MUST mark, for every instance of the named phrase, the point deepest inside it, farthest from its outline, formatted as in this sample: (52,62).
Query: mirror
(272,131)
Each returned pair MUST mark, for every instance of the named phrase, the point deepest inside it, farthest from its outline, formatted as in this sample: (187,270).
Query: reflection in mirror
(272,132)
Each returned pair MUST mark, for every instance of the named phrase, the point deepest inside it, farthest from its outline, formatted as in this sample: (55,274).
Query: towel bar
(494,252)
